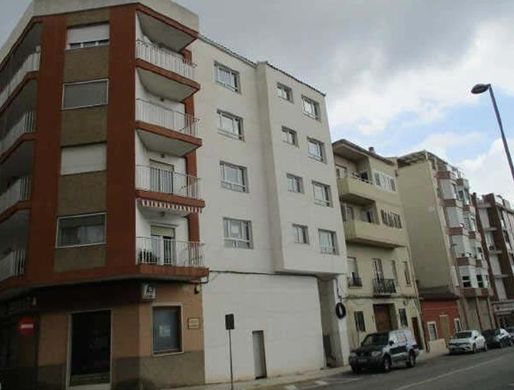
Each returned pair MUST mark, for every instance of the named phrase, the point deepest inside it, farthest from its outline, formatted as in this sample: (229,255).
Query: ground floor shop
(504,312)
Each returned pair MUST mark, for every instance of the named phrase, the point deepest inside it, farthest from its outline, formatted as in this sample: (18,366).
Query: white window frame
(407,273)
(236,121)
(291,133)
(385,182)
(300,231)
(88,44)
(106,81)
(326,190)
(457,325)
(434,325)
(355,320)
(333,250)
(298,180)
(315,105)
(58,236)
(244,224)
(322,157)
(468,281)
(233,73)
(238,187)
(284,92)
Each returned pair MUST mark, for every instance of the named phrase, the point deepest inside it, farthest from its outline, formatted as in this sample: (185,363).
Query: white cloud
(441,143)
(489,172)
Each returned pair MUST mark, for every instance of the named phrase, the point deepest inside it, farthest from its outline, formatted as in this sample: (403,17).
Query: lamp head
(480,88)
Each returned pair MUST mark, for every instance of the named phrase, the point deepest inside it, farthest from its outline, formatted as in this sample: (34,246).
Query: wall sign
(148,292)
(26,326)
(193,323)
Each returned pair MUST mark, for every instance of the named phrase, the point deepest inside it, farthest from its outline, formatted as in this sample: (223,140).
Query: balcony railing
(165,59)
(167,181)
(17,192)
(31,64)
(26,124)
(12,265)
(354,281)
(164,117)
(167,252)
(384,286)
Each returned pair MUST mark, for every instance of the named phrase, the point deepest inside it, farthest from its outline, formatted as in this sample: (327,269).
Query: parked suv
(384,350)
(467,341)
(510,329)
(497,338)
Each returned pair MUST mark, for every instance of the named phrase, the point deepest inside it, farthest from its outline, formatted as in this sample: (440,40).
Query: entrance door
(382,318)
(161,177)
(90,350)
(445,327)
(164,246)
(415,328)
(259,355)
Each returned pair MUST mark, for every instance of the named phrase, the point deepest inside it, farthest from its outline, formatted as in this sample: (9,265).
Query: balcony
(25,125)
(384,286)
(169,253)
(165,130)
(166,189)
(19,191)
(354,281)
(12,265)
(31,64)
(165,72)
(360,232)
(472,292)
(358,191)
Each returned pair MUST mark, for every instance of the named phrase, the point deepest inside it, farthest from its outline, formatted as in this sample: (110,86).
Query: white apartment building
(274,237)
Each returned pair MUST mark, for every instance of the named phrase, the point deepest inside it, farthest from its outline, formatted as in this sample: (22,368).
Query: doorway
(445,327)
(382,318)
(164,246)
(90,350)
(161,177)
(415,328)
(259,354)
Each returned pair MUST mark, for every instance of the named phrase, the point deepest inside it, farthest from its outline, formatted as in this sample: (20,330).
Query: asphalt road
(492,370)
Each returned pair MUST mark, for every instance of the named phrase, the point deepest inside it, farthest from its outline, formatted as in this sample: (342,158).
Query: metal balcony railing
(26,124)
(165,117)
(384,286)
(31,64)
(165,59)
(17,192)
(354,281)
(167,182)
(12,265)
(167,252)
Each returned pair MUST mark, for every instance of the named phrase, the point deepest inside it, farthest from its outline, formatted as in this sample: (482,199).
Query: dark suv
(385,350)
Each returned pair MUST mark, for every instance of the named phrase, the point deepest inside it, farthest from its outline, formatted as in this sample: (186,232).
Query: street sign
(229,322)
(26,326)
(230,326)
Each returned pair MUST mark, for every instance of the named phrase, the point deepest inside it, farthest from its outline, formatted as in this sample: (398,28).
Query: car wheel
(356,370)
(411,362)
(386,364)
(474,348)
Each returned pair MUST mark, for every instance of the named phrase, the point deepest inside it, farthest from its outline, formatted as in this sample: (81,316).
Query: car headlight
(376,353)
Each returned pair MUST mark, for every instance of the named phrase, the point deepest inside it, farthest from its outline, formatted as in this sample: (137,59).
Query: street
(483,371)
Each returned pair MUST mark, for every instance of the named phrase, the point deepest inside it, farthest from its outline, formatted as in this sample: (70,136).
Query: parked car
(385,350)
(467,341)
(510,329)
(497,338)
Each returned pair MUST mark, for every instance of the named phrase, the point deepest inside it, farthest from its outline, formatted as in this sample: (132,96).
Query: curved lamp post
(481,88)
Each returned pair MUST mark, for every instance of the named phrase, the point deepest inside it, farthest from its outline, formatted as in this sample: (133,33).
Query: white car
(467,341)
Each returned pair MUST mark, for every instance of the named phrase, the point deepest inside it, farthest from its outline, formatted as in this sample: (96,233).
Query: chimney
(371,149)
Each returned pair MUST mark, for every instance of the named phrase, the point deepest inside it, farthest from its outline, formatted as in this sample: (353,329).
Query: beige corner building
(382,293)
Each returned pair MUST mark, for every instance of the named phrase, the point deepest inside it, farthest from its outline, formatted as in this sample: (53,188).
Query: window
(294,183)
(230,125)
(301,234)
(480,280)
(406,271)
(432,330)
(81,230)
(354,279)
(360,325)
(384,181)
(391,219)
(227,77)
(80,159)
(403,318)
(322,195)
(348,212)
(289,136)
(378,269)
(285,92)
(234,177)
(458,326)
(395,271)
(85,94)
(327,242)
(311,108)
(88,36)
(237,233)
(167,330)
(341,171)
(466,281)
(316,149)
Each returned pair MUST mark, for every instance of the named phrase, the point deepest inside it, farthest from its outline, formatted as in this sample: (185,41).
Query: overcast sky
(397,73)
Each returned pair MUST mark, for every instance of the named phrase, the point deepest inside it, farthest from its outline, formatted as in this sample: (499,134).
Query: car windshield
(510,329)
(463,335)
(376,339)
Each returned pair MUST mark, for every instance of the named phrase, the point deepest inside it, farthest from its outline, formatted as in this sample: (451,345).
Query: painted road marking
(447,374)
(321,383)
(290,387)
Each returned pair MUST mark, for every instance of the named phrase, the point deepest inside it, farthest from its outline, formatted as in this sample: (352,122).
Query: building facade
(136,155)
(382,293)
(446,246)
(496,225)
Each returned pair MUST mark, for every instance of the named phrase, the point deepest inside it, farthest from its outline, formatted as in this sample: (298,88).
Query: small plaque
(193,323)
(148,292)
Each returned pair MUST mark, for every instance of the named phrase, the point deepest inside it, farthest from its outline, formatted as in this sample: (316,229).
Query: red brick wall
(432,310)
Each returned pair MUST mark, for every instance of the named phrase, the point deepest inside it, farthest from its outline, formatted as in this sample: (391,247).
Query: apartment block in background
(112,144)
(496,225)
(382,293)
(446,246)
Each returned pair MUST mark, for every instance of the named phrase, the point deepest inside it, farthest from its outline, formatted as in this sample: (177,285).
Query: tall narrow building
(382,293)
(496,225)
(446,245)
(152,182)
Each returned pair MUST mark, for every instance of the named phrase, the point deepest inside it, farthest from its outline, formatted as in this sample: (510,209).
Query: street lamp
(481,88)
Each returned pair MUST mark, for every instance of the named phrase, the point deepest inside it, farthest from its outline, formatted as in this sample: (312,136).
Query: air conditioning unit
(492,248)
